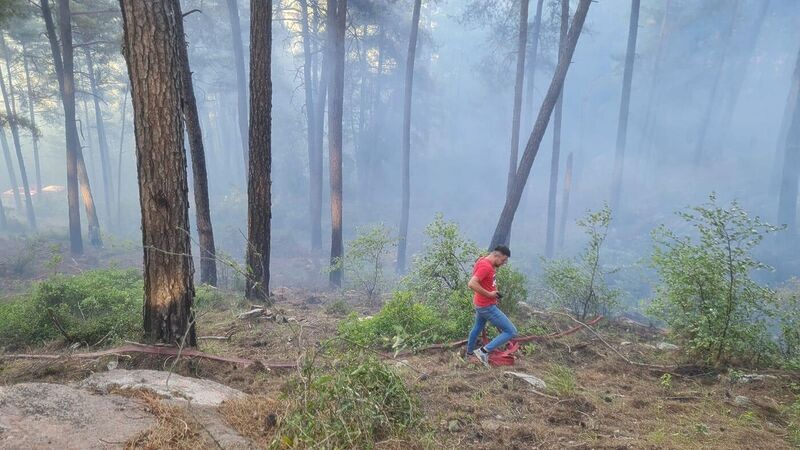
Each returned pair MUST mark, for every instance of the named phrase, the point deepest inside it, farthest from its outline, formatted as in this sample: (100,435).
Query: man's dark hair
(504,250)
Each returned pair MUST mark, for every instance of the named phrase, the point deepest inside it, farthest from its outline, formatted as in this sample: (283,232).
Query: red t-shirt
(485,272)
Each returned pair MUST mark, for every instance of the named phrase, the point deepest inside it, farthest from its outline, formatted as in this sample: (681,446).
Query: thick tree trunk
(506,218)
(241,81)
(32,118)
(86,136)
(562,226)
(311,125)
(337,18)
(554,160)
(12,174)
(259,199)
(71,132)
(205,232)
(152,52)
(412,50)
(119,157)
(655,84)
(787,198)
(11,113)
(699,151)
(533,54)
(622,124)
(102,140)
(522,42)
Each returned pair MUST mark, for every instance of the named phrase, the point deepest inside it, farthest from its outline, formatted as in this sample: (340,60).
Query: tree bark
(699,151)
(533,50)
(11,113)
(259,199)
(506,218)
(70,130)
(102,140)
(554,160)
(12,174)
(311,123)
(32,118)
(655,84)
(119,156)
(152,52)
(337,17)
(409,84)
(522,42)
(191,118)
(624,107)
(241,81)
(562,226)
(787,197)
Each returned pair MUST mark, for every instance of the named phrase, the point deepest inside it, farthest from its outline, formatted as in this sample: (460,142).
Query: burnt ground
(610,404)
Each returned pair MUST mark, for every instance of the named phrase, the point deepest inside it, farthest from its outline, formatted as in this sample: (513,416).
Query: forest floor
(595,399)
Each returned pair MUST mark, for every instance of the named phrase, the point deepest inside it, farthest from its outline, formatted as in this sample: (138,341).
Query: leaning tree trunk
(119,157)
(11,114)
(522,41)
(699,151)
(70,130)
(554,161)
(32,118)
(622,124)
(506,218)
(562,226)
(787,198)
(241,89)
(12,174)
(152,52)
(337,17)
(205,232)
(402,245)
(259,199)
(533,49)
(102,140)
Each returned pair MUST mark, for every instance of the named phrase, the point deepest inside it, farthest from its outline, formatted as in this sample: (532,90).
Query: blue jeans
(493,315)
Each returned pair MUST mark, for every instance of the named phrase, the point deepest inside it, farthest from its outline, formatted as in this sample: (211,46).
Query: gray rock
(741,400)
(749,378)
(667,346)
(536,382)
(625,343)
(194,390)
(454,426)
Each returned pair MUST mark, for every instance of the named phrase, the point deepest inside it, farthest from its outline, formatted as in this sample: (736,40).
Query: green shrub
(561,380)
(580,285)
(707,295)
(363,261)
(90,307)
(357,404)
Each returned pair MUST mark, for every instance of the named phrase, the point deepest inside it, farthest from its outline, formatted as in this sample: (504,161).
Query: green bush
(93,306)
(363,261)
(707,295)
(580,285)
(357,404)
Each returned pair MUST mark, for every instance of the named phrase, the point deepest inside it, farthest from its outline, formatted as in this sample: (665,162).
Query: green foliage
(561,380)
(788,319)
(363,262)
(90,307)
(580,285)
(665,381)
(792,415)
(707,295)
(337,308)
(359,403)
(22,262)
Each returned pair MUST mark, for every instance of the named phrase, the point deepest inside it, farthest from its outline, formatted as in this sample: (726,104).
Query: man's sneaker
(483,356)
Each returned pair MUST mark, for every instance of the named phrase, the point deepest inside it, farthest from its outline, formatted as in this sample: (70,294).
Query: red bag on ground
(501,357)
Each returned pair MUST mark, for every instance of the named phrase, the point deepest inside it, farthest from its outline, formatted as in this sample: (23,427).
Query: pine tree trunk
(119,156)
(554,160)
(522,42)
(32,118)
(86,137)
(402,244)
(3,222)
(649,124)
(71,133)
(205,232)
(311,123)
(562,226)
(12,174)
(786,120)
(506,218)
(533,50)
(102,140)
(241,81)
(259,199)
(624,107)
(11,113)
(787,197)
(699,151)
(337,17)
(152,52)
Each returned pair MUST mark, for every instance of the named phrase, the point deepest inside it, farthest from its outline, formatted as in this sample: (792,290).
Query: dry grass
(255,417)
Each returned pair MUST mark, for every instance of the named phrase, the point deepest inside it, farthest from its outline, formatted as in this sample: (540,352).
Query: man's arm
(475,285)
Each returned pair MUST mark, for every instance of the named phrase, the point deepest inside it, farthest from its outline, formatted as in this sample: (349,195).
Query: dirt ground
(611,404)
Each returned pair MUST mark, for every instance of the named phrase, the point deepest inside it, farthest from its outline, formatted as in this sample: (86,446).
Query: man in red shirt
(484,284)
